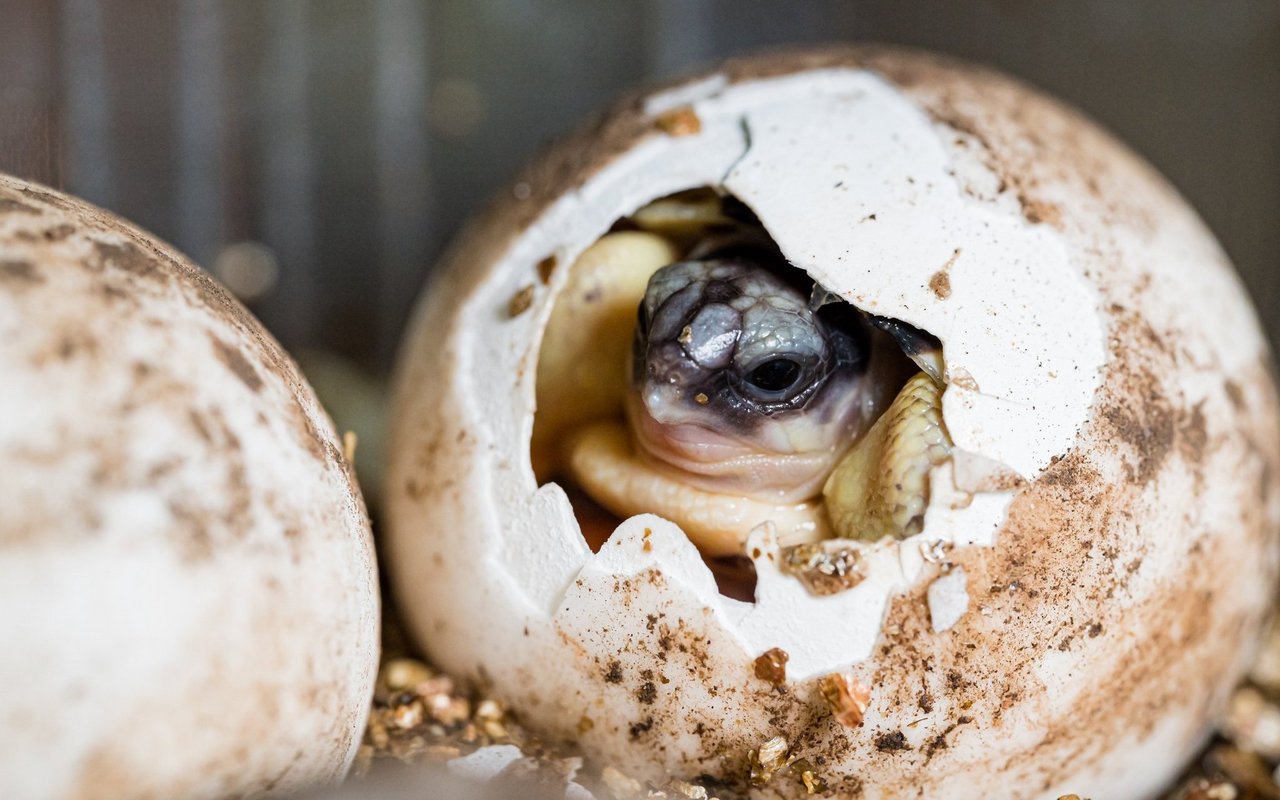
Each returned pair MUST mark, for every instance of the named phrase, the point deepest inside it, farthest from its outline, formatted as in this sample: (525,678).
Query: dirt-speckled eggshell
(187,578)
(1096,561)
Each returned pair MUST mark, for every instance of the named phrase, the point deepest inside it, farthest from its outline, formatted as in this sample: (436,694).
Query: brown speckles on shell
(9,205)
(237,363)
(1103,565)
(1139,404)
(1148,429)
(143,445)
(1193,434)
(126,257)
(1071,520)
(1039,211)
(57,233)
(1234,394)
(17,271)
(206,526)
(73,343)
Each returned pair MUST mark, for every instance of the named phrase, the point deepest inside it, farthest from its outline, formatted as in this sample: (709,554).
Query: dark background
(350,139)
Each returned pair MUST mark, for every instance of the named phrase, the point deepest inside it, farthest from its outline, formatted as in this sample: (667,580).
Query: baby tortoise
(752,395)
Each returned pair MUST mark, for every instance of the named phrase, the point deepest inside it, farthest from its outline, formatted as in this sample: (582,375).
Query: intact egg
(1052,595)
(186,568)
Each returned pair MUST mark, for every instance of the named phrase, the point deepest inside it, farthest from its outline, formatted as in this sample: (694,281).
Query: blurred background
(317,155)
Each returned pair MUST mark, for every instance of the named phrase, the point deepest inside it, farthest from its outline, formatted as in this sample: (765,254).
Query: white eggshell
(187,579)
(1112,511)
(486,763)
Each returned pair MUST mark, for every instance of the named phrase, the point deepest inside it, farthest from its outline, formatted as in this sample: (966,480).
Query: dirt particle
(846,698)
(640,728)
(771,666)
(235,361)
(520,301)
(940,285)
(892,742)
(925,702)
(1094,630)
(614,673)
(681,121)
(647,693)
(546,268)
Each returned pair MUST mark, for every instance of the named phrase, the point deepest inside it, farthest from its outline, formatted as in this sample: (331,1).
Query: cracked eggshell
(186,568)
(1112,509)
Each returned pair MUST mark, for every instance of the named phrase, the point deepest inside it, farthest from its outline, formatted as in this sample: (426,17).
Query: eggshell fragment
(186,566)
(948,598)
(1113,504)
(486,763)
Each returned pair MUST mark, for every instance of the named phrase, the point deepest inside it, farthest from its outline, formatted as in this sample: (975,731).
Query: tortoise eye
(775,375)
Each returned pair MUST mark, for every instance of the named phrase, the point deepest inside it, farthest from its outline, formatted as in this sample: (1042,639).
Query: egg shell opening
(1113,507)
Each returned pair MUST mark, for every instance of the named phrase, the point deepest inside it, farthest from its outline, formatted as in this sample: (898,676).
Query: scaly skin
(604,463)
(882,486)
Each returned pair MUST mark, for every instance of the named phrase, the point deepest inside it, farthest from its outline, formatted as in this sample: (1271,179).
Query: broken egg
(1053,594)
(186,568)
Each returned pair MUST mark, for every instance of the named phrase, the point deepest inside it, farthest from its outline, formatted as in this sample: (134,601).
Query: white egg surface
(1096,560)
(189,592)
